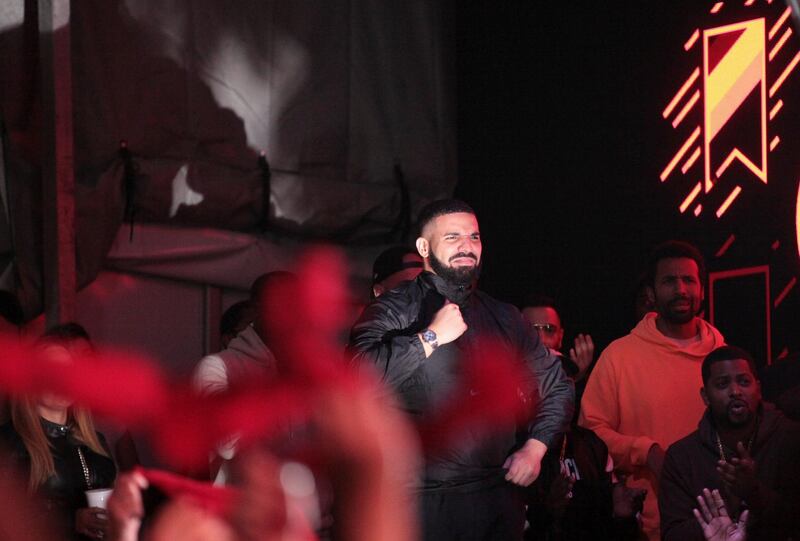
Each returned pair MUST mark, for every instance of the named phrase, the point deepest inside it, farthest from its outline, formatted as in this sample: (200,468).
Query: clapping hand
(739,474)
(582,353)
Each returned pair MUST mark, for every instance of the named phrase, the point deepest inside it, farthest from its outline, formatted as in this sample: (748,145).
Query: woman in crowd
(55,446)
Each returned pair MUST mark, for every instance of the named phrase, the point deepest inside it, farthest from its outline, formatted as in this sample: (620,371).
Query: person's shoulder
(782,422)
(210,374)
(622,350)
(399,300)
(403,292)
(685,444)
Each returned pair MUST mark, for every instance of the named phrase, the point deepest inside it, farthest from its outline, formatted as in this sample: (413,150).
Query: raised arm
(382,340)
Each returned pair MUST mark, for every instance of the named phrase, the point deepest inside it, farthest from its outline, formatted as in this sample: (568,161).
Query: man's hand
(714,520)
(627,501)
(739,475)
(582,354)
(92,522)
(655,460)
(560,493)
(448,324)
(525,465)
(125,506)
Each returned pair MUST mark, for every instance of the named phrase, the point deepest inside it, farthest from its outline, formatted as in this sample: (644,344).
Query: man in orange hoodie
(642,395)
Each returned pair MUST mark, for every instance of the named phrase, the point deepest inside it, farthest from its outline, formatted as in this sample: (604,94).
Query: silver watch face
(428,335)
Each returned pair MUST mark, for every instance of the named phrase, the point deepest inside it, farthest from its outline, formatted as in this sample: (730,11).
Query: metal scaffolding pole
(58,177)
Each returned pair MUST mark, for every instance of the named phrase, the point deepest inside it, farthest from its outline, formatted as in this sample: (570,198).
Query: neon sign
(740,71)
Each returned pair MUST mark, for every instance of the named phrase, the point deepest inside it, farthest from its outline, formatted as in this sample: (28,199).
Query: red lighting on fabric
(483,402)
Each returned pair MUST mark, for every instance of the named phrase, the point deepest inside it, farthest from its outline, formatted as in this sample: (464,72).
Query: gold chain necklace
(749,442)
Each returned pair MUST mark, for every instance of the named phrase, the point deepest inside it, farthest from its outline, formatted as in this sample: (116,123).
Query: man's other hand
(582,354)
(525,465)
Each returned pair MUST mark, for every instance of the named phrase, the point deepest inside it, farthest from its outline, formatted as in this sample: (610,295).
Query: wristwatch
(429,337)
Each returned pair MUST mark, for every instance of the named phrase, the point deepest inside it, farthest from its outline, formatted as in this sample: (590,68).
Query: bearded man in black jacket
(418,337)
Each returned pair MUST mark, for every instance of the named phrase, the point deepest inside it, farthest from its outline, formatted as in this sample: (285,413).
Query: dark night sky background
(561,142)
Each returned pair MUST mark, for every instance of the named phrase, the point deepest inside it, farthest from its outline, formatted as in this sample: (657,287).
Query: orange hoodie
(645,389)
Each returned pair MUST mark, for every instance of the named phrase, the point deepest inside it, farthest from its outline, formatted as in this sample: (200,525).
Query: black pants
(495,513)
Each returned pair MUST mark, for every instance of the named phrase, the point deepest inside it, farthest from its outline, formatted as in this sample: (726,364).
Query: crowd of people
(450,416)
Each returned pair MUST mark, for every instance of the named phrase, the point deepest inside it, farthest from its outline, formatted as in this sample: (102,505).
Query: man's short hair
(265,281)
(233,315)
(10,309)
(537,299)
(675,249)
(727,353)
(440,208)
(391,260)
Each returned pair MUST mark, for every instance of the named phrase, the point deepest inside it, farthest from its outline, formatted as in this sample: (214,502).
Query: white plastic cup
(98,497)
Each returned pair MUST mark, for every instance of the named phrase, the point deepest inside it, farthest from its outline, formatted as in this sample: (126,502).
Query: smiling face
(677,289)
(451,247)
(732,393)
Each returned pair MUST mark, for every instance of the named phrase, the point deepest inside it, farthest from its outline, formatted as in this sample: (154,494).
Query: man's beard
(665,311)
(457,276)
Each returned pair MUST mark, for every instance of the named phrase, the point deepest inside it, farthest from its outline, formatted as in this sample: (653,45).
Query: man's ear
(704,396)
(423,247)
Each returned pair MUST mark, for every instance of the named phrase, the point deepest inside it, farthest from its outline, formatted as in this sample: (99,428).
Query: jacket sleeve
(600,413)
(555,390)
(675,502)
(381,341)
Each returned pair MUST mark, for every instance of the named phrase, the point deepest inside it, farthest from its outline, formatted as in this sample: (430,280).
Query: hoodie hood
(247,348)
(710,338)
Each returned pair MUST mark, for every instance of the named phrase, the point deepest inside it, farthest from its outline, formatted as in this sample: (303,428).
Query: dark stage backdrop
(563,140)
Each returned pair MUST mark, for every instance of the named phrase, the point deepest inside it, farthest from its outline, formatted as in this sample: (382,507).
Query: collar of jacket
(457,294)
(55,430)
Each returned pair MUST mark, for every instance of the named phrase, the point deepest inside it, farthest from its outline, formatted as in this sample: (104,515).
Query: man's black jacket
(385,338)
